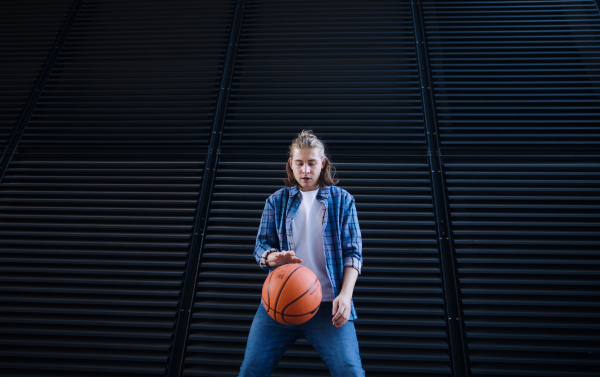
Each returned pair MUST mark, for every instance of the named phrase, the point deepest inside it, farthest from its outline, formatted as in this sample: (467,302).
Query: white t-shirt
(307,231)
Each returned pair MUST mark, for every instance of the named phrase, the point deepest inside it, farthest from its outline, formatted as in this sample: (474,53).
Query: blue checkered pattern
(342,241)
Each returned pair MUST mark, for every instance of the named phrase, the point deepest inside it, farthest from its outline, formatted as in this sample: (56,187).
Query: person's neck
(308,190)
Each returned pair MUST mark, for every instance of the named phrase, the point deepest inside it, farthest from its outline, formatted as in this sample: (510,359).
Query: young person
(313,222)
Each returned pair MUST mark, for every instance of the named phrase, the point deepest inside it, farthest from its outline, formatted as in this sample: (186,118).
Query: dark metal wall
(516,91)
(99,199)
(141,139)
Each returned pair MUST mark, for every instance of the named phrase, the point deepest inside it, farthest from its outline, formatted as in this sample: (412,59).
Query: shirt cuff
(353,262)
(263,258)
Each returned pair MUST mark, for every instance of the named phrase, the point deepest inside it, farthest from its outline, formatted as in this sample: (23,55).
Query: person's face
(307,165)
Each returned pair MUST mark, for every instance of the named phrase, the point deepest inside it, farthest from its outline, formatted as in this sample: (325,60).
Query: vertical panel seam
(190,280)
(449,276)
(57,46)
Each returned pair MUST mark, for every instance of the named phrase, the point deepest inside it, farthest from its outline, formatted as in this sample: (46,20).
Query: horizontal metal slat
(28,30)
(77,296)
(505,73)
(528,275)
(116,144)
(133,81)
(348,73)
(52,268)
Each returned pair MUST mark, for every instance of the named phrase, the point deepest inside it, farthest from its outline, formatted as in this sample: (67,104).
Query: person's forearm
(350,276)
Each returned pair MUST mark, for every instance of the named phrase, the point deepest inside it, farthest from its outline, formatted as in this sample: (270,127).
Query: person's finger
(340,318)
(284,257)
(340,323)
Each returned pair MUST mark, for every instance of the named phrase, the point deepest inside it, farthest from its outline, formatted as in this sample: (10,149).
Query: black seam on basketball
(269,293)
(281,290)
(307,313)
(300,315)
(299,297)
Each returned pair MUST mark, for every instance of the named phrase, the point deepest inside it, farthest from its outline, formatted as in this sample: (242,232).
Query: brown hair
(307,140)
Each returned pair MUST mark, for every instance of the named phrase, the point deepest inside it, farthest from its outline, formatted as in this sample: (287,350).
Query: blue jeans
(268,341)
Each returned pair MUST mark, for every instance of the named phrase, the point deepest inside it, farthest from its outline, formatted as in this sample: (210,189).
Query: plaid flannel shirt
(342,241)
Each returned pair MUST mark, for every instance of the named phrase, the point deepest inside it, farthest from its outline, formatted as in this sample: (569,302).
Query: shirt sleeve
(266,239)
(351,238)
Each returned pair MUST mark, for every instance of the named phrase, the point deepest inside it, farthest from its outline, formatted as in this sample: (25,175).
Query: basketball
(291,294)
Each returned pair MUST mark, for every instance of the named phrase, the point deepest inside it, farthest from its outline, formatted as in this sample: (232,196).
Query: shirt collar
(323,193)
(294,191)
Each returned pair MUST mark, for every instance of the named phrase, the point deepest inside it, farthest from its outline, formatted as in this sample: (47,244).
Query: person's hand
(341,310)
(282,257)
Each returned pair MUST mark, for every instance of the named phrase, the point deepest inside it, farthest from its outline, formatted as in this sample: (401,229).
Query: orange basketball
(292,294)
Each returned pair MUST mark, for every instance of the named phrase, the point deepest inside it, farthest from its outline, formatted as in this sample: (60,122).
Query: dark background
(140,139)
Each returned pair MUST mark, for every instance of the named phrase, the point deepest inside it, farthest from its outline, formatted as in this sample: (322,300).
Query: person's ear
(324,162)
(290,162)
